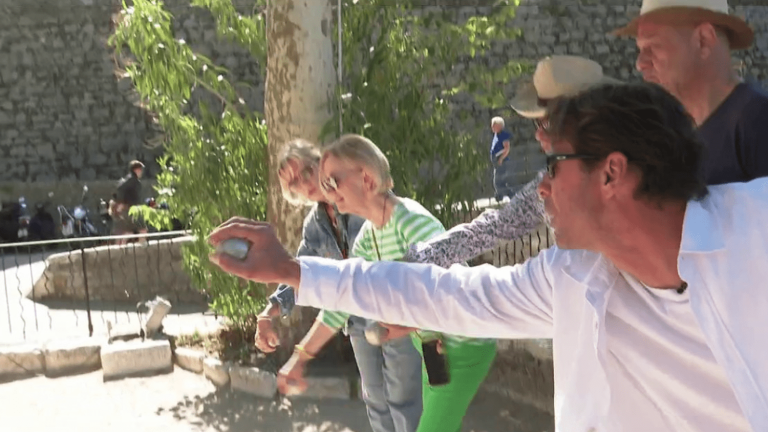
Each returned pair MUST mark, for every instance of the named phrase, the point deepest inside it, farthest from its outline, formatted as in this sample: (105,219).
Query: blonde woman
(391,372)
(355,177)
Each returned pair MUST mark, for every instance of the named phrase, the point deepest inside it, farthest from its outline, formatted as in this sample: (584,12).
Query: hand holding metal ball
(235,247)
(251,250)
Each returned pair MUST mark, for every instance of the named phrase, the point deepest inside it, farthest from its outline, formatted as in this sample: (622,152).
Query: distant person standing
(503,174)
(128,194)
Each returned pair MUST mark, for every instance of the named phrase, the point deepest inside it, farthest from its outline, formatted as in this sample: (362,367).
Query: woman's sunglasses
(329,184)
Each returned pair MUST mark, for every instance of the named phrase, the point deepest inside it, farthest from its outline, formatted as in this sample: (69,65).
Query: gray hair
(303,152)
(497,121)
(359,149)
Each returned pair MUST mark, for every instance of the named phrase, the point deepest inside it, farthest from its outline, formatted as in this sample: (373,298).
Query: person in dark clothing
(736,137)
(686,48)
(128,194)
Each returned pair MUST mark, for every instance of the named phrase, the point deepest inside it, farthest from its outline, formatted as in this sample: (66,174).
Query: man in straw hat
(555,76)
(652,296)
(684,45)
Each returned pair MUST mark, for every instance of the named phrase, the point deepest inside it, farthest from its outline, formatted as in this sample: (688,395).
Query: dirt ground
(182,401)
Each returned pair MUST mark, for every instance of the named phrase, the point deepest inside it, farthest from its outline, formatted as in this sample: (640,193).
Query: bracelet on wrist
(260,318)
(302,351)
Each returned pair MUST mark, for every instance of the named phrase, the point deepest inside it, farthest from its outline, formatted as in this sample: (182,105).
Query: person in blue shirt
(503,172)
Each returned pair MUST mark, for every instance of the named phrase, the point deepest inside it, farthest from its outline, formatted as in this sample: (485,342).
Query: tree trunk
(300,84)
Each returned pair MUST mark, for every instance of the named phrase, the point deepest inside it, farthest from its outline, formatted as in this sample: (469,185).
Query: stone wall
(66,116)
(130,274)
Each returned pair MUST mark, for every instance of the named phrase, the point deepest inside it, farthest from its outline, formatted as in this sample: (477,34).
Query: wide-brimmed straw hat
(557,76)
(672,12)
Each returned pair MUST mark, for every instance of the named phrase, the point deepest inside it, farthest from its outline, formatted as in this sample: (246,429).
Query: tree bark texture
(299,89)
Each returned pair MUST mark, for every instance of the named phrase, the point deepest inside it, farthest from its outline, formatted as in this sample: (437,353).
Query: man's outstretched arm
(480,302)
(521,215)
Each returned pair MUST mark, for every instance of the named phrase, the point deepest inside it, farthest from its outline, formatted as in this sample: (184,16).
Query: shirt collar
(701,231)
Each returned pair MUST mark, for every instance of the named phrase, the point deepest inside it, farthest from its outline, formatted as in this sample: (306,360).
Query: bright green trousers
(445,406)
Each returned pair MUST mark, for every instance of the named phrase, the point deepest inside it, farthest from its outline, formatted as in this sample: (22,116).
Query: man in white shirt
(655,296)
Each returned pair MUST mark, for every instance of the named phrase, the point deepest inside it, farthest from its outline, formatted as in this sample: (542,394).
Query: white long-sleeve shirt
(565,295)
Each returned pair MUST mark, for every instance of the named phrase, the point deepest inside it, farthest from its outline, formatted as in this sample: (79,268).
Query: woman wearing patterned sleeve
(355,176)
(555,76)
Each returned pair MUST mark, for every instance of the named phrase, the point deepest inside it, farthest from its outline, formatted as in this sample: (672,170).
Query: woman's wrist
(302,354)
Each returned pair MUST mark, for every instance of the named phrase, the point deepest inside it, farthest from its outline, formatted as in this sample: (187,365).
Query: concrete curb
(327,388)
(522,370)
(216,371)
(189,359)
(71,357)
(136,358)
(253,381)
(17,362)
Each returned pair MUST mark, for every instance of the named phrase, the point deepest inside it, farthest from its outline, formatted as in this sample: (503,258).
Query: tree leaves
(215,148)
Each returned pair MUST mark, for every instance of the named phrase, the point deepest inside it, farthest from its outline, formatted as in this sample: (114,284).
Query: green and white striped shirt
(410,223)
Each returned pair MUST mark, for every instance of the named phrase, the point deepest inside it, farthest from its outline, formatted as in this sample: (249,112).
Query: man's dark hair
(135,165)
(645,123)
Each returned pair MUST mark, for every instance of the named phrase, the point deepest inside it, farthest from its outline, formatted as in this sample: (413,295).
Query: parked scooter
(14,221)
(105,217)
(77,223)
(42,226)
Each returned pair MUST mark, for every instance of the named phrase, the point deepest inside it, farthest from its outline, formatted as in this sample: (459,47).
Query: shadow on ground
(239,412)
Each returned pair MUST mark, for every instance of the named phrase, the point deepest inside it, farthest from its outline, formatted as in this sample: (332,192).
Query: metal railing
(91,286)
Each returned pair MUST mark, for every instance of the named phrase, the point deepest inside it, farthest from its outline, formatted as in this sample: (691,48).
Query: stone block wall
(129,274)
(67,116)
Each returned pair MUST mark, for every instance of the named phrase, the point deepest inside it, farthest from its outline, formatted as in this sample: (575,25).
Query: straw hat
(715,12)
(556,76)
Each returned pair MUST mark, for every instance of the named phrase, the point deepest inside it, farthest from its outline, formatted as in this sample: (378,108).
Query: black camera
(435,363)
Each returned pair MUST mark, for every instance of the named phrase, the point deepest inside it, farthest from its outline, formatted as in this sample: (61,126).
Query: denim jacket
(318,239)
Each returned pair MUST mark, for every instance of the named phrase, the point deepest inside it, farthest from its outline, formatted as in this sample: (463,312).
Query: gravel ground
(182,401)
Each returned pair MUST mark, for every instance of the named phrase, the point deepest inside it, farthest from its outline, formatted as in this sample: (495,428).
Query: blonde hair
(497,121)
(361,150)
(303,152)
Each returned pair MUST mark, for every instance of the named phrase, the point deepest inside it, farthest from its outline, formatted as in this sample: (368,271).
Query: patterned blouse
(523,213)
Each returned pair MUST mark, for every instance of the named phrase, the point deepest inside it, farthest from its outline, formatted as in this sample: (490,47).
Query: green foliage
(215,154)
(397,68)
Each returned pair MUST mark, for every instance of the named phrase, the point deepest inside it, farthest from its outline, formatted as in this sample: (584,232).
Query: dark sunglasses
(553,159)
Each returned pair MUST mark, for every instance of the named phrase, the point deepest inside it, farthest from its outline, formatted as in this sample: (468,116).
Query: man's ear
(705,38)
(615,170)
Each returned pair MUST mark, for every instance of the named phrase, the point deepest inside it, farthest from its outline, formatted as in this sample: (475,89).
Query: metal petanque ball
(375,333)
(234,247)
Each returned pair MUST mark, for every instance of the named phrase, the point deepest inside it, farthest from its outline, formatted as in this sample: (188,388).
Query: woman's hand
(395,331)
(266,338)
(290,379)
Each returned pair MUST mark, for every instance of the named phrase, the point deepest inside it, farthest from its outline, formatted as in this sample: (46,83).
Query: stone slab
(253,381)
(72,356)
(21,361)
(189,359)
(136,358)
(327,388)
(216,371)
